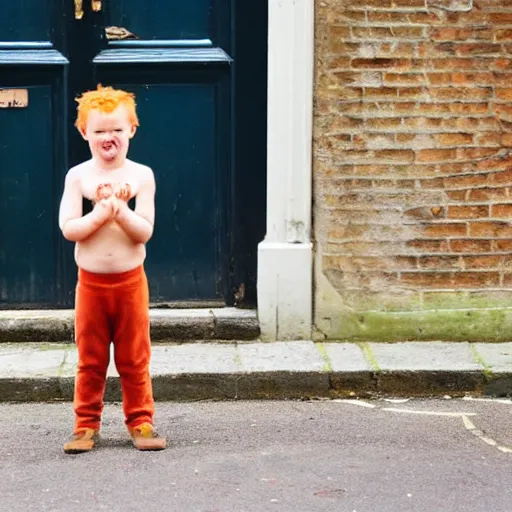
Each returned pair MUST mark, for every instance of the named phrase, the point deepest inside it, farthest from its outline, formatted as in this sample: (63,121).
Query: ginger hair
(105,99)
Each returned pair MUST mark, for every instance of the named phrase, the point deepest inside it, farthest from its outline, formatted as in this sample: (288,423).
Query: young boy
(112,298)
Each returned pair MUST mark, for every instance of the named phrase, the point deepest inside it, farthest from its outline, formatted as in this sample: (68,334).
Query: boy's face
(109,134)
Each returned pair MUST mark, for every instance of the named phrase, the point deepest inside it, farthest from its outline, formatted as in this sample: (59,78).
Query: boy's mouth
(109,149)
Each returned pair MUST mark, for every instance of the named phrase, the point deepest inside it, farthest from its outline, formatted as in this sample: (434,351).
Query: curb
(296,370)
(275,386)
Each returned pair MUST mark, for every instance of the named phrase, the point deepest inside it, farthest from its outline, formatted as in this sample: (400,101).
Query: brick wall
(413,161)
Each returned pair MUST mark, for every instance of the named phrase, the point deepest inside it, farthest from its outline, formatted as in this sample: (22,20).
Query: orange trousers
(112,308)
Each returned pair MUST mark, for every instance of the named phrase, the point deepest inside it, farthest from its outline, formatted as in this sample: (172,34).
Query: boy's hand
(106,209)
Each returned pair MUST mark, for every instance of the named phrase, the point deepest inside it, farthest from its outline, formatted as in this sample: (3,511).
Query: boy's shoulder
(144,172)
(76,172)
(138,167)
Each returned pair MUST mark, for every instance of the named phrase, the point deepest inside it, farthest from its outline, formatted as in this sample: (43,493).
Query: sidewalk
(257,370)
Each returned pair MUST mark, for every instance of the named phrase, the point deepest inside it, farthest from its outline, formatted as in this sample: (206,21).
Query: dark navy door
(180,59)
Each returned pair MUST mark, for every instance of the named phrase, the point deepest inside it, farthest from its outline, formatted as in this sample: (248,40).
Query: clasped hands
(111,199)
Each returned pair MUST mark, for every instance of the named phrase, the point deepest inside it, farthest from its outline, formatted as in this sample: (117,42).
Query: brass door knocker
(96,5)
(79,9)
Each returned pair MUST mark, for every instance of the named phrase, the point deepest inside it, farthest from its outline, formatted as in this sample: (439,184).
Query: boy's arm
(74,227)
(138,224)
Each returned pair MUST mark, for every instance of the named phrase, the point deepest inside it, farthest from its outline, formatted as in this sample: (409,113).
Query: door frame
(285,256)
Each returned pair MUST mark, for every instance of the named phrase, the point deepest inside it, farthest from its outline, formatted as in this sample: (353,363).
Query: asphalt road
(336,456)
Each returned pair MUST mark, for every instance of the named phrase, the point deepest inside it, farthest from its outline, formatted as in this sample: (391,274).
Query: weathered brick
(501,178)
(383,123)
(451,279)
(503,245)
(379,63)
(460,64)
(500,211)
(405,78)
(485,194)
(481,262)
(429,246)
(468,212)
(425,212)
(339,32)
(445,230)
(472,180)
(474,246)
(460,34)
(382,4)
(377,33)
(439,262)
(436,155)
(395,50)
(338,62)
(503,35)
(500,18)
(490,229)
(451,5)
(454,139)
(457,195)
(422,123)
(478,49)
(408,3)
(489,139)
(475,153)
(461,93)
(334,16)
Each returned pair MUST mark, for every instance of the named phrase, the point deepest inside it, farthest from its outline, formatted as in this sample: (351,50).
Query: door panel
(33,154)
(29,258)
(26,20)
(173,19)
(179,145)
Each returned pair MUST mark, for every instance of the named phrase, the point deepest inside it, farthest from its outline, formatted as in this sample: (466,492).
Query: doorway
(198,70)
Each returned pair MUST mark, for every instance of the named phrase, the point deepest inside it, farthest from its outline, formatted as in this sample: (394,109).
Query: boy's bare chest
(95,188)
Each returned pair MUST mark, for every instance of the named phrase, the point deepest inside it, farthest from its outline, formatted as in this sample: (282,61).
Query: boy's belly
(109,251)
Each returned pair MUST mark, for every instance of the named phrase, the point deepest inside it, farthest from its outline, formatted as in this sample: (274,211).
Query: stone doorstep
(56,326)
(280,370)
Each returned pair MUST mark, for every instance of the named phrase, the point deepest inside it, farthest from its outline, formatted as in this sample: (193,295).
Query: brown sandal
(146,439)
(83,441)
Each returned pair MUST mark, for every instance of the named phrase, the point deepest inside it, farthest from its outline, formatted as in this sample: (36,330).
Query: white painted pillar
(285,287)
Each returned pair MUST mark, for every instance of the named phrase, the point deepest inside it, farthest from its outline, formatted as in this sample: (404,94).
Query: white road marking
(355,402)
(478,433)
(492,400)
(431,413)
(468,423)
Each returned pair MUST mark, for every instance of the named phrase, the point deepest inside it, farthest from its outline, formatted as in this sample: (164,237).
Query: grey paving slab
(415,356)
(497,356)
(346,357)
(194,358)
(197,314)
(222,313)
(21,361)
(295,356)
(15,315)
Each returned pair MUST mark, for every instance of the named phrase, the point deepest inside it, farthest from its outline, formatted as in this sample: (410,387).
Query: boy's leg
(132,349)
(132,354)
(93,337)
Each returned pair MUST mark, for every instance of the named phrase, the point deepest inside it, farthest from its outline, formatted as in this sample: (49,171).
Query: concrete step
(167,325)
(31,372)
